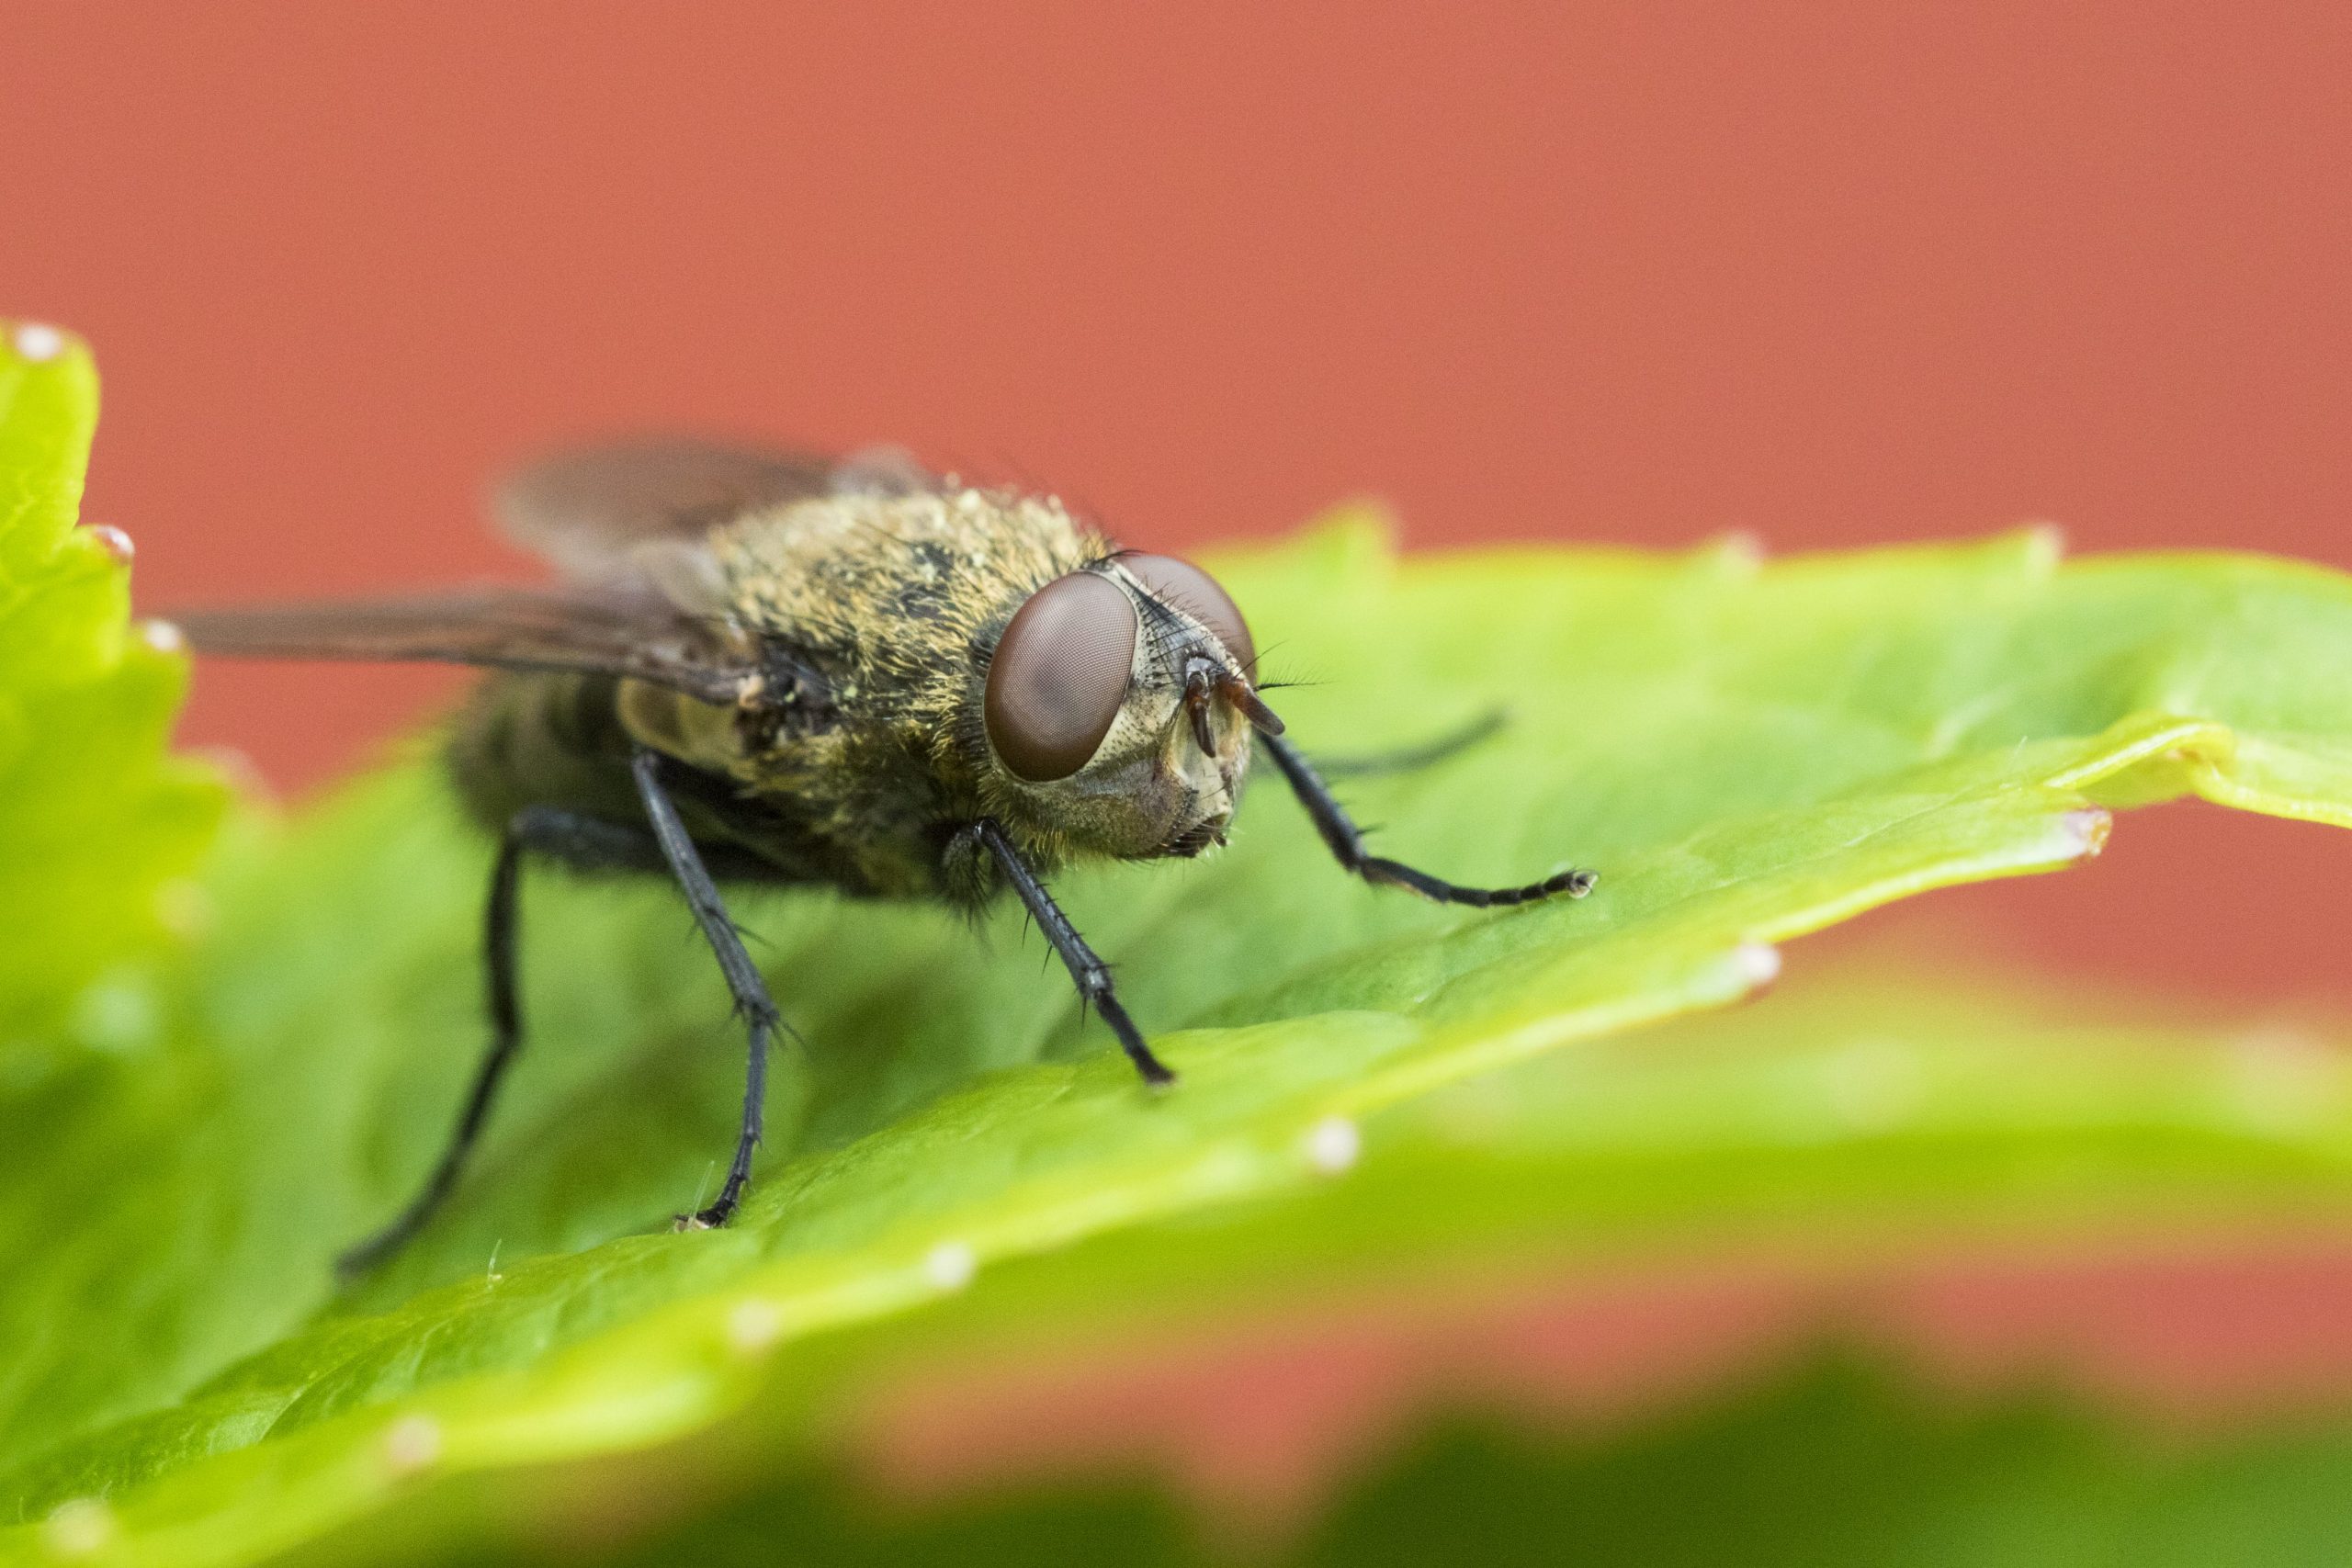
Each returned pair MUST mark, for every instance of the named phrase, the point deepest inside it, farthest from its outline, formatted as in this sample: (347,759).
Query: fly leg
(1405,759)
(1346,842)
(1092,975)
(743,981)
(584,841)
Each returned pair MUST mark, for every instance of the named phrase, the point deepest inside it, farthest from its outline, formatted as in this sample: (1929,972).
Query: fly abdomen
(525,740)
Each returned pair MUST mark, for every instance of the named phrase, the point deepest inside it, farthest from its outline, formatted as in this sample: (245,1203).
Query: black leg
(583,841)
(505,1036)
(1346,841)
(587,843)
(743,981)
(1091,974)
(1405,759)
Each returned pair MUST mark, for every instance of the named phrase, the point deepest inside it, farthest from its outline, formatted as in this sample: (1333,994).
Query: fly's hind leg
(583,841)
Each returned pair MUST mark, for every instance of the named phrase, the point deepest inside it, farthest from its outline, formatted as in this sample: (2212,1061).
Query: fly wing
(616,632)
(590,509)
(623,523)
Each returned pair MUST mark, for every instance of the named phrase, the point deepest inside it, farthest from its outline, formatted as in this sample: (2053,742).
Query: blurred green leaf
(1836,1460)
(1746,753)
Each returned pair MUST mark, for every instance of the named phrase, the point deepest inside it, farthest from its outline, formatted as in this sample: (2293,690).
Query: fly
(772,668)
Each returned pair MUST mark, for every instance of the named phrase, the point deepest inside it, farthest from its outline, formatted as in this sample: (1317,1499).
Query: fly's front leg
(1092,975)
(1407,758)
(1346,842)
(743,981)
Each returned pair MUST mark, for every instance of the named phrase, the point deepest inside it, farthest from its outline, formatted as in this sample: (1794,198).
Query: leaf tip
(37,342)
(2086,829)
(1741,553)
(1355,537)
(49,355)
(2043,546)
(113,542)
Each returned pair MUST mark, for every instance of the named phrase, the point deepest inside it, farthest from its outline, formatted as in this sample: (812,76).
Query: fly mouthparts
(1253,708)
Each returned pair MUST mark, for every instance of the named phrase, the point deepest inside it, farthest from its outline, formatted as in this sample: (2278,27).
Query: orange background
(1835,275)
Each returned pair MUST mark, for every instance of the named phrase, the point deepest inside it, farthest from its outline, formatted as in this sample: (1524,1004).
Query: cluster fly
(771,668)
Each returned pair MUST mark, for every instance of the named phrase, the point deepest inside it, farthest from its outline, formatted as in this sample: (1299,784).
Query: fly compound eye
(1187,588)
(1059,675)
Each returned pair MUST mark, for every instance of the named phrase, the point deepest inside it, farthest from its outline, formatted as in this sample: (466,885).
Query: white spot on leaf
(753,1327)
(38,341)
(78,1529)
(412,1444)
(951,1265)
(1333,1145)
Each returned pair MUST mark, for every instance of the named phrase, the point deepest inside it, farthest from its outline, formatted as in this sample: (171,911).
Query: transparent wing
(622,522)
(589,509)
(619,632)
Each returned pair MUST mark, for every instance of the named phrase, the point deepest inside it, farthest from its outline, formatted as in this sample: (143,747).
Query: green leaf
(1841,1463)
(1746,754)
(1856,1125)
(100,832)
(1838,1460)
(99,827)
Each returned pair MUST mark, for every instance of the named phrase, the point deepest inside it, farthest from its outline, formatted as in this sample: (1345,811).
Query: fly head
(1119,706)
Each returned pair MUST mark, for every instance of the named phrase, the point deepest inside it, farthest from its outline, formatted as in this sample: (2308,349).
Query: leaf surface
(1746,752)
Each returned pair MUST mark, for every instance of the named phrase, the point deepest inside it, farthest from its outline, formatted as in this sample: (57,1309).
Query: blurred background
(1833,274)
